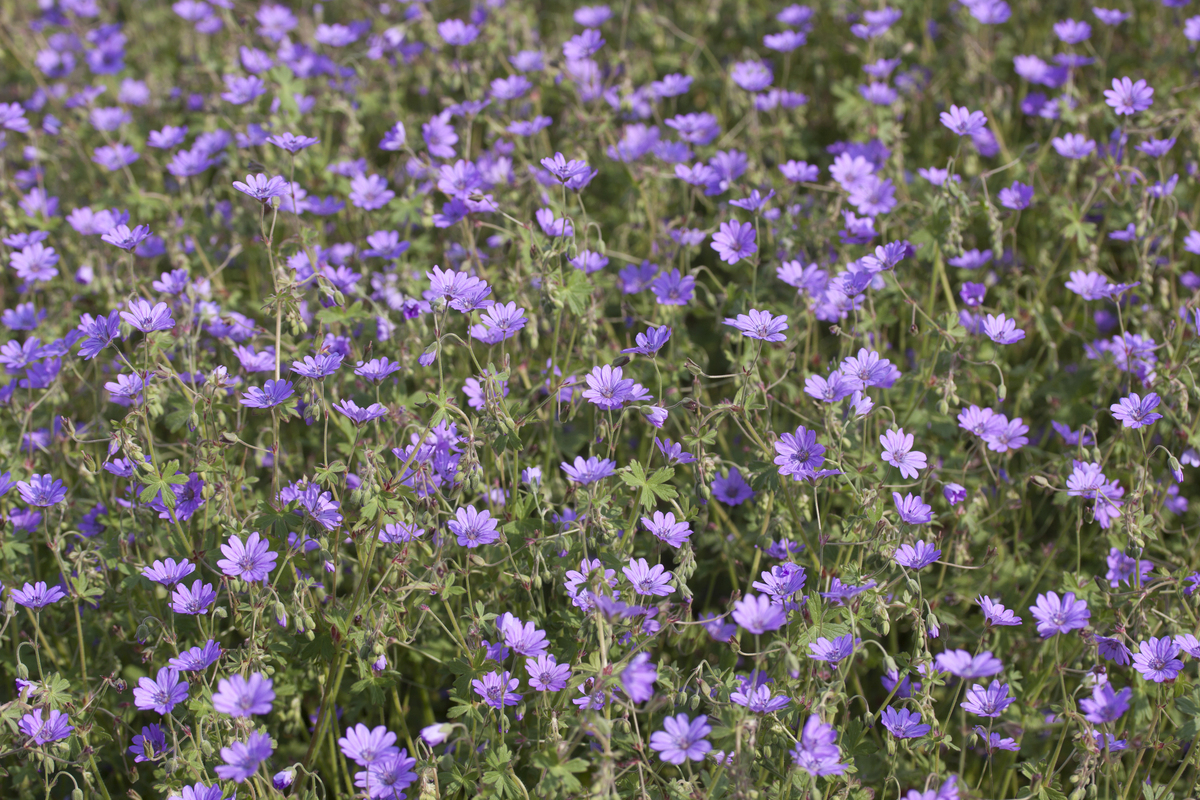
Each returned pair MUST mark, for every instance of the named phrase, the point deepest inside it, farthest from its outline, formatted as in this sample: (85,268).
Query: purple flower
(840,592)
(607,388)
(916,556)
(897,451)
(817,752)
(262,188)
(962,121)
(169,573)
(753,76)
(1105,705)
(473,528)
(638,678)
(524,638)
(912,509)
(1002,330)
(590,471)
(147,318)
(1073,145)
(161,694)
(497,689)
(121,236)
(1156,659)
(251,562)
(964,665)
(734,241)
(197,659)
(42,490)
(239,697)
(546,674)
(671,288)
(376,369)
(1113,650)
(149,745)
(648,580)
(290,141)
(364,746)
(994,742)
(195,600)
(37,596)
(360,416)
(242,758)
(1128,98)
(682,739)
(758,614)
(995,613)
(272,394)
(799,454)
(370,192)
(761,325)
(387,777)
(457,33)
(1135,411)
(650,342)
(731,489)
(1059,615)
(989,702)
(665,527)
(833,651)
(1017,196)
(43,730)
(319,366)
(904,724)
(758,699)
(1121,568)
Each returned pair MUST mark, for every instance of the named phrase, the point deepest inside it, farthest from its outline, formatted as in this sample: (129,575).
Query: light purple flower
(761,325)
(1135,411)
(1128,98)
(1156,659)
(239,697)
(1059,615)
(962,121)
(160,694)
(897,451)
(682,739)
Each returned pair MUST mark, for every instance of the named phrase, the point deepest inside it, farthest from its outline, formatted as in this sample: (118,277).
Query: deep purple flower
(239,697)
(162,693)
(387,777)
(731,489)
(1113,650)
(650,342)
(1017,196)
(1121,568)
(252,561)
(682,739)
(799,454)
(1156,659)
(1059,615)
(360,416)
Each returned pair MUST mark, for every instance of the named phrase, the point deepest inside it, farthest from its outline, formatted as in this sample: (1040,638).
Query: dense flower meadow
(655,400)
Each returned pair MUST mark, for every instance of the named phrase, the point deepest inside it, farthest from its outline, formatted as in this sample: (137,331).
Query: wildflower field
(662,399)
